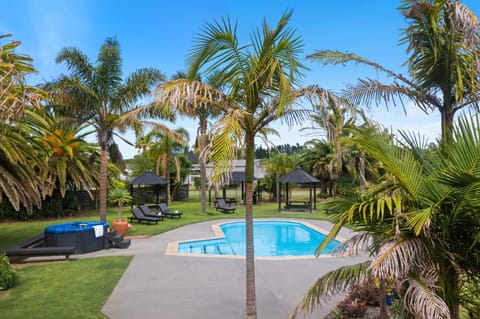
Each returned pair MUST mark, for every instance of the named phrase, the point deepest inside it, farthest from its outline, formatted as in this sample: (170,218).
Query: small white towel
(98,230)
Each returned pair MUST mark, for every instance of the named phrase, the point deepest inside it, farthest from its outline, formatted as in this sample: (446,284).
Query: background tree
(97,94)
(443,63)
(169,98)
(277,165)
(20,182)
(164,148)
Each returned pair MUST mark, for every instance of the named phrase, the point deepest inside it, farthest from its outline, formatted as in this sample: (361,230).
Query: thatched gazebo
(150,178)
(298,176)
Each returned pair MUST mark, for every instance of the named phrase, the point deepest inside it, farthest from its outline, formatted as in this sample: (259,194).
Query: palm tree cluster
(421,223)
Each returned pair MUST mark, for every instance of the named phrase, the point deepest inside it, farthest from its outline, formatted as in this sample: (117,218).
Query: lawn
(14,232)
(79,288)
(74,289)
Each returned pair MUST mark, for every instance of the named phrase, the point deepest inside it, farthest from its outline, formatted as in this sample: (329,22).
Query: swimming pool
(271,238)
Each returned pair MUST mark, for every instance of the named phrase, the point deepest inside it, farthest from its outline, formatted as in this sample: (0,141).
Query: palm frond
(396,259)
(333,282)
(420,299)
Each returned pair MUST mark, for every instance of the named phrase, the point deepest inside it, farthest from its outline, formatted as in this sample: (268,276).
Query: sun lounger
(140,217)
(223,206)
(148,212)
(167,212)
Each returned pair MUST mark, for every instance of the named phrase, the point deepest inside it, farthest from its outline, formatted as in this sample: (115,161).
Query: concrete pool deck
(157,285)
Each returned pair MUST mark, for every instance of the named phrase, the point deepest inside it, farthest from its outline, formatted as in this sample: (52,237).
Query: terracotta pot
(121,226)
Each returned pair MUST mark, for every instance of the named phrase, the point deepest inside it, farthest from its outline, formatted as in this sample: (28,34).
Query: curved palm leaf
(333,282)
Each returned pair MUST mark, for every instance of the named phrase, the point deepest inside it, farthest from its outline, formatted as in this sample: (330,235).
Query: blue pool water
(271,238)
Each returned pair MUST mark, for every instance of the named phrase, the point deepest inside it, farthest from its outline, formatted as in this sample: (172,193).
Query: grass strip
(70,289)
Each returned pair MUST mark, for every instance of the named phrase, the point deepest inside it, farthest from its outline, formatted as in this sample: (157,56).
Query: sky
(160,34)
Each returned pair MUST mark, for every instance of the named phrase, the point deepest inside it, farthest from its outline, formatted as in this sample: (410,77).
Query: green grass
(15,232)
(74,289)
(79,288)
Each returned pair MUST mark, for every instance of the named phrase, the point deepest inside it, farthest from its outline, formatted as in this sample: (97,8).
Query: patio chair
(148,212)
(164,210)
(140,217)
(223,206)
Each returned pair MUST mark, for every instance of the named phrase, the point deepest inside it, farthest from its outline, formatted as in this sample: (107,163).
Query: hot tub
(84,236)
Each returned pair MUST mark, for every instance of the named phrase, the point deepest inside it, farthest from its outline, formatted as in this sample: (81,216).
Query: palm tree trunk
(447,124)
(383,301)
(449,282)
(249,253)
(103,184)
(203,165)
(361,170)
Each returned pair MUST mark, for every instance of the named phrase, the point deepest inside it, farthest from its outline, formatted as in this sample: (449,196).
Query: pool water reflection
(271,238)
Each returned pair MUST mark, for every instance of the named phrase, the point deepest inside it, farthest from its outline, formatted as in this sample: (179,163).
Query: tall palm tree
(424,220)
(97,94)
(259,89)
(20,180)
(170,98)
(444,47)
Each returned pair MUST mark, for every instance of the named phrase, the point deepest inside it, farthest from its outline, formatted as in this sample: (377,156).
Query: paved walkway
(156,285)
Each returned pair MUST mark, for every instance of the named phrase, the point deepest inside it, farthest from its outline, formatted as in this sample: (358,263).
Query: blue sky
(160,34)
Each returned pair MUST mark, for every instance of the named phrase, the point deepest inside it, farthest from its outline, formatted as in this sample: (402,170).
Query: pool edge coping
(172,247)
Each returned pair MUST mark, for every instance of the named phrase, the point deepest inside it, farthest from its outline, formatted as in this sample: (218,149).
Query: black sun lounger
(140,217)
(223,206)
(167,212)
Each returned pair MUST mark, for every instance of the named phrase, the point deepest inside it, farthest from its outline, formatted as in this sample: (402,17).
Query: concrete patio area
(156,285)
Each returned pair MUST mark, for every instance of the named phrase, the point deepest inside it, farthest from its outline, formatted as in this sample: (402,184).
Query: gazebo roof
(149,178)
(298,175)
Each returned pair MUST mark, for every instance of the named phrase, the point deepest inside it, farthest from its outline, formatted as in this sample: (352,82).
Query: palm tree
(275,166)
(331,117)
(64,151)
(19,163)
(164,147)
(169,96)
(423,219)
(259,89)
(97,94)
(443,43)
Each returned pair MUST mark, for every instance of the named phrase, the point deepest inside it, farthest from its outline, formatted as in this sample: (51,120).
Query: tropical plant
(97,94)
(20,182)
(165,147)
(170,98)
(119,196)
(423,220)
(259,82)
(277,165)
(443,43)
(66,154)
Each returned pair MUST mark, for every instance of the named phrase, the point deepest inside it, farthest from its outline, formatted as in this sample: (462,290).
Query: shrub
(8,276)
(366,291)
(352,308)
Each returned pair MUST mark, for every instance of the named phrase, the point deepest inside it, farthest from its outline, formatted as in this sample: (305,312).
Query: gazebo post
(310,189)
(286,193)
(279,196)
(314,196)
